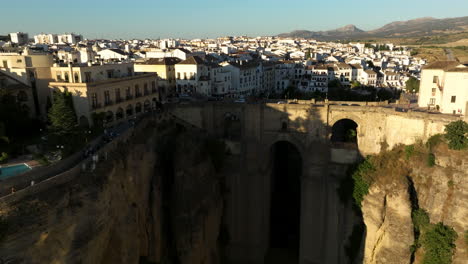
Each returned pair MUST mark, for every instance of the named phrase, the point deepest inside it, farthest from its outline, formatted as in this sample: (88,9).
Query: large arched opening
(232,127)
(285,203)
(344,131)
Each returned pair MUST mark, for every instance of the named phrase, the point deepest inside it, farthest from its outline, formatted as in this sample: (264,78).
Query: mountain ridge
(419,27)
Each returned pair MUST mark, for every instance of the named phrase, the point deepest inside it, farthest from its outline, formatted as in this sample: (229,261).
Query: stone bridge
(306,123)
(260,130)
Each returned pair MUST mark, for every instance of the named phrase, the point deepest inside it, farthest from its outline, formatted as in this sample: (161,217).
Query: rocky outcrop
(120,213)
(443,192)
(403,184)
(387,216)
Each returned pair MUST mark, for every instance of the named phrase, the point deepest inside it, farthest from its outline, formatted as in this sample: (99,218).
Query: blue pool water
(7,172)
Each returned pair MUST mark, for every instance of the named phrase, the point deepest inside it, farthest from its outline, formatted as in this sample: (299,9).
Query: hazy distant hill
(421,27)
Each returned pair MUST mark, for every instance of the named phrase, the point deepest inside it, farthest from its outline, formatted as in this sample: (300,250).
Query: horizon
(160,20)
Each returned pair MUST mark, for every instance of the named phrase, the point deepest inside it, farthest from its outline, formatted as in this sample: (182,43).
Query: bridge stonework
(309,123)
(308,127)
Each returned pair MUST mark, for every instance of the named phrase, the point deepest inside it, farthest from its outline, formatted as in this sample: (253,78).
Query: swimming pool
(10,171)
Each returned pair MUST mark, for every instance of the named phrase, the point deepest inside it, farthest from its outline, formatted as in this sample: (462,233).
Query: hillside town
(342,145)
(227,67)
(122,77)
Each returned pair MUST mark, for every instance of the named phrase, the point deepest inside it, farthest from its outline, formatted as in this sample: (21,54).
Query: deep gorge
(168,195)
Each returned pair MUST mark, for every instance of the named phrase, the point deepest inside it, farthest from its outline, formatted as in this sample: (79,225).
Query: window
(432,101)
(59,76)
(145,89)
(454,98)
(435,79)
(128,93)
(77,78)
(67,78)
(137,91)
(5,64)
(129,71)
(107,100)
(153,86)
(433,91)
(117,95)
(88,77)
(94,100)
(110,73)
(178,76)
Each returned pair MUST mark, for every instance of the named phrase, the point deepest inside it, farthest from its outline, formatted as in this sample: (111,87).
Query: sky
(126,19)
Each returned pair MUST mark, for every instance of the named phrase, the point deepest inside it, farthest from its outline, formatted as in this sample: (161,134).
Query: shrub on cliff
(430,160)
(420,219)
(362,181)
(409,151)
(439,244)
(457,135)
(434,141)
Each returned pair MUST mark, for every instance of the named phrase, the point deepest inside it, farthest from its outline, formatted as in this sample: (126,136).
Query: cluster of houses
(123,78)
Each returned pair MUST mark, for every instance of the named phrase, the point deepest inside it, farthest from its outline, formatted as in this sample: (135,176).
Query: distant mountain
(421,27)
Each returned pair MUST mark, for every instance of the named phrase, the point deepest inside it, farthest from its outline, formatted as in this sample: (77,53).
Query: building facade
(113,91)
(444,86)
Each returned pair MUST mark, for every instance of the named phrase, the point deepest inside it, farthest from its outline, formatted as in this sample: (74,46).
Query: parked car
(240,100)
(282,102)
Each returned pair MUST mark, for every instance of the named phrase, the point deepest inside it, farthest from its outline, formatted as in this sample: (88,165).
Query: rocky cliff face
(403,181)
(142,205)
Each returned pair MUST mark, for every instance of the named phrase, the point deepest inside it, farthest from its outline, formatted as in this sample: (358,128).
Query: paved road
(450,56)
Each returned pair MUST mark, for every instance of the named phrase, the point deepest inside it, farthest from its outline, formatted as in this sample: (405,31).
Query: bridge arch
(232,126)
(286,162)
(344,131)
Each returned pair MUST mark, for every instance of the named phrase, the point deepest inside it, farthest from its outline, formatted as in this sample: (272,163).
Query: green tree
(291,92)
(308,54)
(456,134)
(335,84)
(62,116)
(355,84)
(15,124)
(412,85)
(439,244)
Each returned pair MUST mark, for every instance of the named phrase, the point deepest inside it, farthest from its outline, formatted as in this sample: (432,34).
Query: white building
(444,86)
(19,38)
(70,38)
(193,76)
(168,43)
(46,39)
(113,54)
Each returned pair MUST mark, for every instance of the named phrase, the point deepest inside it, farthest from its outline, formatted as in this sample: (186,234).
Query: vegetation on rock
(457,135)
(362,181)
(439,244)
